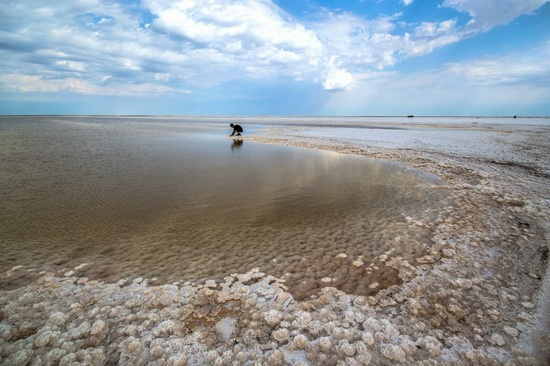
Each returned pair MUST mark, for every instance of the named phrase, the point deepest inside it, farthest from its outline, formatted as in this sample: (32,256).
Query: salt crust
(95,323)
(470,302)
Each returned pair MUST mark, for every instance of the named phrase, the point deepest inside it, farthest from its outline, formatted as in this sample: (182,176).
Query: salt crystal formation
(247,318)
(472,299)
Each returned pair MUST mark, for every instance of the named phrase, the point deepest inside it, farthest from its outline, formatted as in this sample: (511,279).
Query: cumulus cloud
(373,44)
(174,46)
(253,24)
(336,78)
(487,14)
(197,43)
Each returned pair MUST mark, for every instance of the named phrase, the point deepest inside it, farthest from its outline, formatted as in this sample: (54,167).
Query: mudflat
(478,295)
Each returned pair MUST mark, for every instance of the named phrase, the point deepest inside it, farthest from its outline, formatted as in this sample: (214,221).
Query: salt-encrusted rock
(449,252)
(513,332)
(300,342)
(166,328)
(372,325)
(251,336)
(178,359)
(390,330)
(463,283)
(457,310)
(81,331)
(494,314)
(393,352)
(302,320)
(497,339)
(342,256)
(358,263)
(346,348)
(21,357)
(97,356)
(430,344)
(281,335)
(325,344)
(408,346)
(42,339)
(361,302)
(156,351)
(276,358)
(386,301)
(349,316)
(54,355)
(425,259)
(210,284)
(368,338)
(99,327)
(364,358)
(6,331)
(57,318)
(273,317)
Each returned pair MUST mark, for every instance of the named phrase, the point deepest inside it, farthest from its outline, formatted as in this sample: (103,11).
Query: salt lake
(175,199)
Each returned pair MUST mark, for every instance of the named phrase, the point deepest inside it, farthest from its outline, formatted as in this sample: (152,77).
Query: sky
(275,57)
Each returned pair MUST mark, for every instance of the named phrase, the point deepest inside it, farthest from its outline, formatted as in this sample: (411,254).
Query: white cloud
(433,29)
(196,43)
(162,46)
(372,44)
(487,14)
(490,86)
(336,78)
(33,83)
(509,70)
(407,2)
(254,25)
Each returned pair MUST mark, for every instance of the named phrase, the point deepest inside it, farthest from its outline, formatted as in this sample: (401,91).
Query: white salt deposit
(226,327)
(474,298)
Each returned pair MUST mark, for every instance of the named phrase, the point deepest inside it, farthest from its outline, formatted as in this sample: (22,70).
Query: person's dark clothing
(237,129)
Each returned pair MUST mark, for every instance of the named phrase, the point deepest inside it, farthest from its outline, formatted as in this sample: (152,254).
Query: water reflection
(236,144)
(163,201)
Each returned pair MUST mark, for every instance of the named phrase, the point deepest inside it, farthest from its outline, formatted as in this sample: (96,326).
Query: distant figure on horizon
(237,129)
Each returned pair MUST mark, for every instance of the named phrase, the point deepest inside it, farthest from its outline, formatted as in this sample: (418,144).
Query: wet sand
(479,296)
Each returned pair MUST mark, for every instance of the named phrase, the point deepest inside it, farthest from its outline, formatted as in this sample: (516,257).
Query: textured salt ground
(479,297)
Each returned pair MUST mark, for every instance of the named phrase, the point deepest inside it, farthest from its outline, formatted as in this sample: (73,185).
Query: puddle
(173,200)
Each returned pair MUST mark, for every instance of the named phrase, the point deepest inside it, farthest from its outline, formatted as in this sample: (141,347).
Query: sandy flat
(480,296)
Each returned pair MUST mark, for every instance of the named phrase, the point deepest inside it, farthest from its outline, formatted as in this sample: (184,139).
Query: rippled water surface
(172,200)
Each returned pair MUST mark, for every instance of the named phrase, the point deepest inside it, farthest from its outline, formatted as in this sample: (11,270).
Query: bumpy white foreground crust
(478,297)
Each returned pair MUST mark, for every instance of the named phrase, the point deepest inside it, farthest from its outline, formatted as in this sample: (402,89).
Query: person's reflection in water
(237,144)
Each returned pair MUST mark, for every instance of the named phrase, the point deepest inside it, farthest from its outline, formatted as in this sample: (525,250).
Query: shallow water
(176,200)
